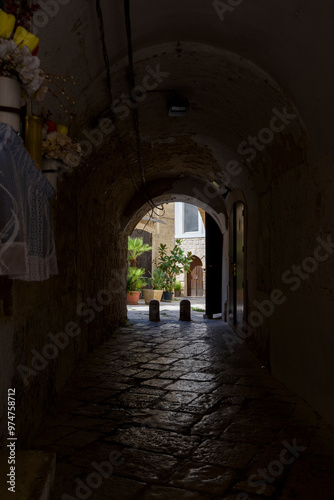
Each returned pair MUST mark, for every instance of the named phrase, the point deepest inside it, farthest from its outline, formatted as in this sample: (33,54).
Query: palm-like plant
(136,247)
(135,281)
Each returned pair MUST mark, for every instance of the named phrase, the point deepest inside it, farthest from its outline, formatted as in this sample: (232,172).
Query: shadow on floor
(183,411)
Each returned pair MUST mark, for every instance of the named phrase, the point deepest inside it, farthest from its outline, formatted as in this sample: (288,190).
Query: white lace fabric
(27,248)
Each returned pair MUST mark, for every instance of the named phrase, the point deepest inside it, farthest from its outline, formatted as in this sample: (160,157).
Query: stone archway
(188,190)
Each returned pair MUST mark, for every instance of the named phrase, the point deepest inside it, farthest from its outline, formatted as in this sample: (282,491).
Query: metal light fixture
(177,105)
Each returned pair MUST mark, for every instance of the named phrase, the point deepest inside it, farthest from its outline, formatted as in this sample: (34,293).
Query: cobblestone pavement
(173,411)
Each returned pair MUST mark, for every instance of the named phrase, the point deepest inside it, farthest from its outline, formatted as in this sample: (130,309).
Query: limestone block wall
(48,328)
(197,247)
(163,233)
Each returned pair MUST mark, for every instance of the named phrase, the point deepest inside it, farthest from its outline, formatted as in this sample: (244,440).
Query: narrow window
(190,218)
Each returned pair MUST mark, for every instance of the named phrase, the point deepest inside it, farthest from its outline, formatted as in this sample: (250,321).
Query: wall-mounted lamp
(177,105)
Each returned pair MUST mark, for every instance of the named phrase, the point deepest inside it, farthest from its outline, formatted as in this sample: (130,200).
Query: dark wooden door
(214,267)
(195,278)
(144,260)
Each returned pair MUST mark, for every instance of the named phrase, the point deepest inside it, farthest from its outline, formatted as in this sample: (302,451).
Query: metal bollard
(154,309)
(185,311)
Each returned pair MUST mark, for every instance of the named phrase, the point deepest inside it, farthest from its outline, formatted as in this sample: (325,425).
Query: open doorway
(214,268)
(181,224)
(190,226)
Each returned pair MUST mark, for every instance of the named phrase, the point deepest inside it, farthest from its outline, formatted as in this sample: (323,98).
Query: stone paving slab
(209,479)
(188,418)
(226,454)
(212,424)
(163,493)
(237,433)
(156,440)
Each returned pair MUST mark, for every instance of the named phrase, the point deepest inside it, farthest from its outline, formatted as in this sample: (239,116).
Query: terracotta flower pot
(132,299)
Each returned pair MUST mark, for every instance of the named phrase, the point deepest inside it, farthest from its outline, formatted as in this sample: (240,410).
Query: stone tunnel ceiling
(230,99)
(272,35)
(233,88)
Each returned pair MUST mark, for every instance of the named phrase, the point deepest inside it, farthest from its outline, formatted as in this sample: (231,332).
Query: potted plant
(136,247)
(156,284)
(168,289)
(177,288)
(172,265)
(135,283)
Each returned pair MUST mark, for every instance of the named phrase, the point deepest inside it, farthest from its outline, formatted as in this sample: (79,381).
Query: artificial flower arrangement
(18,59)
(57,145)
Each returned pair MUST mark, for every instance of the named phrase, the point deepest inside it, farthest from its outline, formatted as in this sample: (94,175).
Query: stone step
(34,475)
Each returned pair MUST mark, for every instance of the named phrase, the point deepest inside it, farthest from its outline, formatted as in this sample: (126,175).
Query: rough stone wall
(79,308)
(163,233)
(303,324)
(102,262)
(196,246)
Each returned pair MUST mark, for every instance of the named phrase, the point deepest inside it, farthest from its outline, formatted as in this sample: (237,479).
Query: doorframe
(235,197)
(214,255)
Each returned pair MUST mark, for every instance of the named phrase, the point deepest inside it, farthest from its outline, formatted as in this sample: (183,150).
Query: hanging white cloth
(27,248)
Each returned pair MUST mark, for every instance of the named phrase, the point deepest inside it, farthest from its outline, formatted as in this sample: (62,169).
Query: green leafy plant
(135,281)
(157,279)
(172,264)
(178,286)
(136,247)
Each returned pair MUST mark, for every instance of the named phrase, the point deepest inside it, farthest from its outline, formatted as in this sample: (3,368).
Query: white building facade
(190,229)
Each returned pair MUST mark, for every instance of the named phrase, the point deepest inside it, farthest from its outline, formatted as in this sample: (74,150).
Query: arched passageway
(192,190)
(249,136)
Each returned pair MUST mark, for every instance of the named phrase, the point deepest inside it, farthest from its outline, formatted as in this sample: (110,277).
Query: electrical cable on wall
(153,206)
(112,114)
(111,98)
(132,84)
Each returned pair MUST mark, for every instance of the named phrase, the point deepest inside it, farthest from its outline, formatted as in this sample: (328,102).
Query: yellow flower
(62,129)
(7,23)
(22,36)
